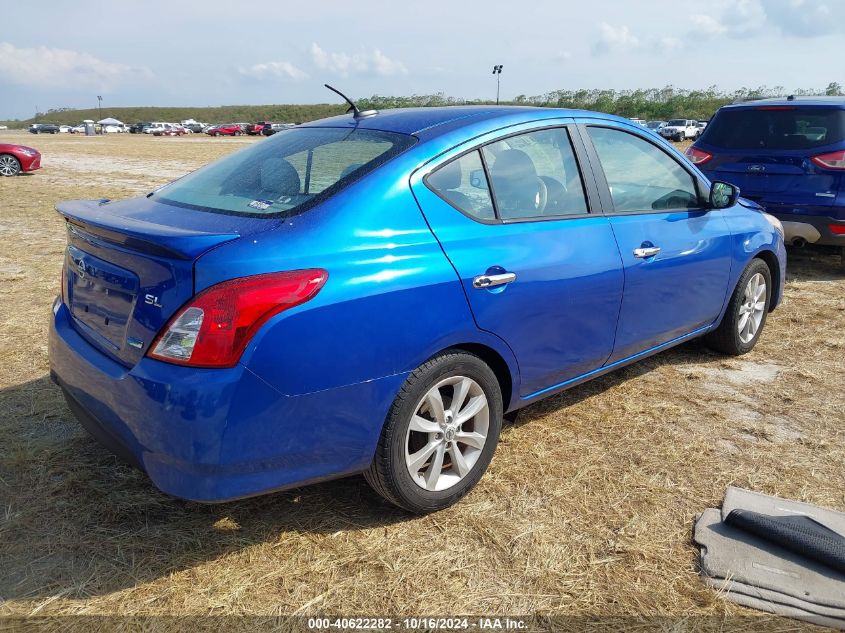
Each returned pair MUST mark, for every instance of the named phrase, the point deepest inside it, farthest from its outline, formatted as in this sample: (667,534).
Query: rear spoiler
(94,217)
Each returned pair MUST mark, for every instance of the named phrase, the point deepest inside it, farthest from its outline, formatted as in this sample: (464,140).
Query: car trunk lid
(130,265)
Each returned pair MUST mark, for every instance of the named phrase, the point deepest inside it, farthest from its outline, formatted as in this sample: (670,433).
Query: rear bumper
(216,434)
(810,228)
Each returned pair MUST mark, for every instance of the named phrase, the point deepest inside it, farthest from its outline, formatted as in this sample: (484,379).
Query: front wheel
(746,313)
(9,165)
(440,434)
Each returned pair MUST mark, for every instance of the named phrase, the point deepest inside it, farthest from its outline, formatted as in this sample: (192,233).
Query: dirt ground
(586,510)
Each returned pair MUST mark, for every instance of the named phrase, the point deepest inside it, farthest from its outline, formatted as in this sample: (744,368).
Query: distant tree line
(650,104)
(653,103)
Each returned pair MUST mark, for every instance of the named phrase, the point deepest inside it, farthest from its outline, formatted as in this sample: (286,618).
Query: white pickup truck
(680,129)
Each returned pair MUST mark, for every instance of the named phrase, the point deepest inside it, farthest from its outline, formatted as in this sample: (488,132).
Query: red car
(253,129)
(171,130)
(229,129)
(17,158)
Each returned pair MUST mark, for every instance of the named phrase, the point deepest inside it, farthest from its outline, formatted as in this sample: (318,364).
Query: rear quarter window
(776,128)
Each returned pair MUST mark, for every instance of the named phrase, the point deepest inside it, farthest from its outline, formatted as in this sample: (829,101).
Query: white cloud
(614,38)
(283,70)
(43,66)
(362,62)
(707,25)
(804,18)
(798,18)
(383,65)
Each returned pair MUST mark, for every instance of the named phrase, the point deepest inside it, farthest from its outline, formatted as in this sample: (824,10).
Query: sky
(63,53)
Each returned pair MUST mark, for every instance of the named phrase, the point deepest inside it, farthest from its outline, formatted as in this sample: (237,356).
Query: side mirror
(722,195)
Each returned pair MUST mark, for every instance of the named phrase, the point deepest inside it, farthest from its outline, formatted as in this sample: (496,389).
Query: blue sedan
(373,293)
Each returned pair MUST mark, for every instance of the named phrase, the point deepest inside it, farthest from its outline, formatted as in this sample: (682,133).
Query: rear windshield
(286,173)
(793,128)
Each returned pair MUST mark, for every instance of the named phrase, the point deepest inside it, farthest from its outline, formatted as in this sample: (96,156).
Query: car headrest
(513,164)
(349,169)
(279,177)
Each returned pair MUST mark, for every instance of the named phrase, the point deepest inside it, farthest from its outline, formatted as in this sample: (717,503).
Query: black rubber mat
(799,534)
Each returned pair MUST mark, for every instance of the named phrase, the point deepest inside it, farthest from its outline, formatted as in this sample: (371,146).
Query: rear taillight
(837,229)
(697,156)
(831,160)
(213,328)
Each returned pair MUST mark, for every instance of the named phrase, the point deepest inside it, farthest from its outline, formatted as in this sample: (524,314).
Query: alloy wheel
(8,165)
(447,433)
(752,308)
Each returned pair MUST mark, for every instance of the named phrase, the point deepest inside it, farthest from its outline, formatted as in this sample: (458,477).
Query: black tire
(726,338)
(10,165)
(388,474)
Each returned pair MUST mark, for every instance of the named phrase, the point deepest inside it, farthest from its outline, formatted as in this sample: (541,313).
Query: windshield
(678,122)
(776,128)
(287,172)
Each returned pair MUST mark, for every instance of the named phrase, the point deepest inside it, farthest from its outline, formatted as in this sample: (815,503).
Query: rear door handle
(646,251)
(490,281)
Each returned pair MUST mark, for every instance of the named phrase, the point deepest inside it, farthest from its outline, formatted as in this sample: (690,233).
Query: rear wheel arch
(496,362)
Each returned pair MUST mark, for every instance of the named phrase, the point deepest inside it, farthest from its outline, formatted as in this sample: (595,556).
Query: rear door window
(535,175)
(776,127)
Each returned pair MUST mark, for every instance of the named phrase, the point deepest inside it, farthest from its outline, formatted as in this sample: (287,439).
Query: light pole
(100,106)
(497,70)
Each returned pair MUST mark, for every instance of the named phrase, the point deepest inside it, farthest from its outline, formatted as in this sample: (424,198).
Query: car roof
(429,122)
(795,101)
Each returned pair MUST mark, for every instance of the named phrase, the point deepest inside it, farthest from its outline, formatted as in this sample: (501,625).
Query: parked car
(138,128)
(789,156)
(701,125)
(656,126)
(15,159)
(170,129)
(254,129)
(640,122)
(64,129)
(44,128)
(154,127)
(680,129)
(193,128)
(78,129)
(227,129)
(276,127)
(351,295)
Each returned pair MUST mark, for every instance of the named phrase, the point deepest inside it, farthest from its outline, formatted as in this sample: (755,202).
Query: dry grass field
(586,510)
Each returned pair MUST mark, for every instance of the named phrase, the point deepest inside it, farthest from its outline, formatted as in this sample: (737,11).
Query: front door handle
(646,251)
(490,281)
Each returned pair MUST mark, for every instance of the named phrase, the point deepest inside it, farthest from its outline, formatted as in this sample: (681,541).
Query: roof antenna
(356,113)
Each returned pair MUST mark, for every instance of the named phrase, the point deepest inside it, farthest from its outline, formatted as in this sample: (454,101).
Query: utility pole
(100,106)
(497,70)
